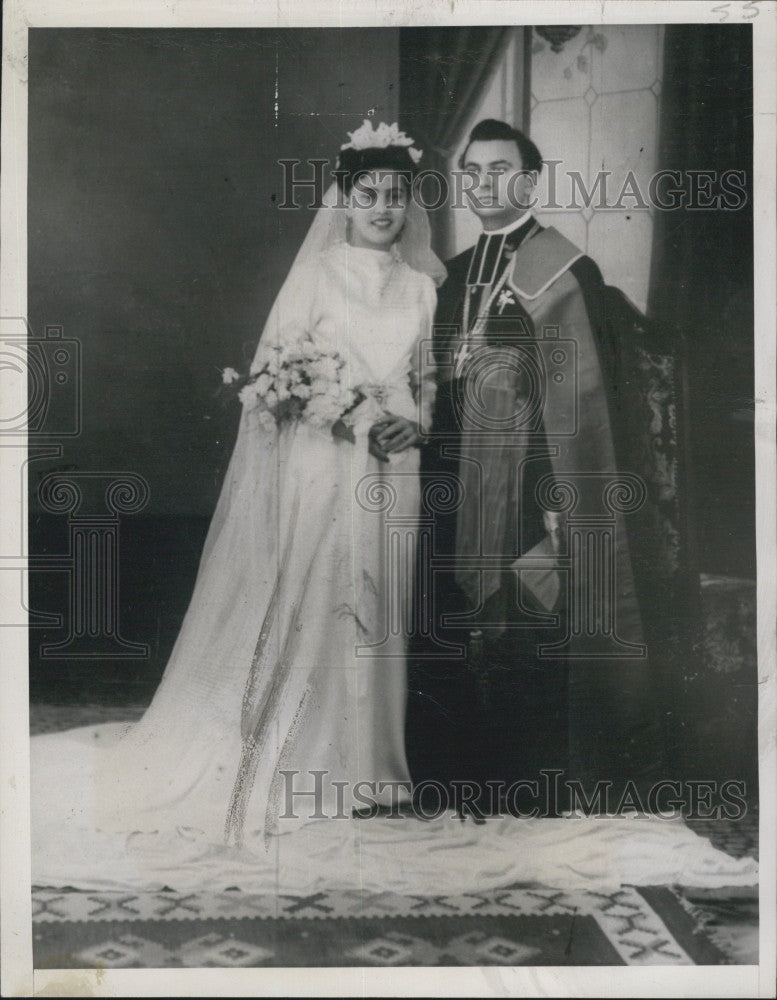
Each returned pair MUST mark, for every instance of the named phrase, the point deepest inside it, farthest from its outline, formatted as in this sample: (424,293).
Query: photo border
(19,977)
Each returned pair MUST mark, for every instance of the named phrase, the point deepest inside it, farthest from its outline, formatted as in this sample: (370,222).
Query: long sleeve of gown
(422,368)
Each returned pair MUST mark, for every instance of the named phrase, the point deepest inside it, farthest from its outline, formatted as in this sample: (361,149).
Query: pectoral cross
(505,299)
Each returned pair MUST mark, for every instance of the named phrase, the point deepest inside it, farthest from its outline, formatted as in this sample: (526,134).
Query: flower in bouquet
(330,395)
(293,382)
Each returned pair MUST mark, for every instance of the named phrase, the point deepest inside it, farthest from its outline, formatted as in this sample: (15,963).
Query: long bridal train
(402,855)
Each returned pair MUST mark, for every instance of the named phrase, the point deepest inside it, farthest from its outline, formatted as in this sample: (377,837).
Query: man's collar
(511,227)
(487,255)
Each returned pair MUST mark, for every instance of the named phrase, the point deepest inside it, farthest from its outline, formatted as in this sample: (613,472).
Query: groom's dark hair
(490,130)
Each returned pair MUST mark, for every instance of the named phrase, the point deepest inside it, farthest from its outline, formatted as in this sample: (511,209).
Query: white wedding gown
(291,661)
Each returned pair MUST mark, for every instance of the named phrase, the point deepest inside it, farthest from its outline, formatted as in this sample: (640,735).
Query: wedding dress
(290,663)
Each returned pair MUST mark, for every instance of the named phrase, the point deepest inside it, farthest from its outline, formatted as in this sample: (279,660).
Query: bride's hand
(394,434)
(375,450)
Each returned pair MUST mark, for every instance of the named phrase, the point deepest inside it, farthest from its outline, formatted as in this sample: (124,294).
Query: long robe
(530,423)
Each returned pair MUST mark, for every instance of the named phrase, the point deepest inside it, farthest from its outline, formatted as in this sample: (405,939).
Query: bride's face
(376,209)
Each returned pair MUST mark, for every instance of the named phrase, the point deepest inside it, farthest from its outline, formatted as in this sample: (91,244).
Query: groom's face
(499,190)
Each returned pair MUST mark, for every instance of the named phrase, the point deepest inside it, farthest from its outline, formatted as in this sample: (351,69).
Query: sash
(499,406)
(571,403)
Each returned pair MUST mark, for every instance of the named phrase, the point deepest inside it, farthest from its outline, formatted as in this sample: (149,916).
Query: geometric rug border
(640,925)
(533,900)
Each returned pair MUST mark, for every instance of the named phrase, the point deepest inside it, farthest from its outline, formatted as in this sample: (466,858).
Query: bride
(281,710)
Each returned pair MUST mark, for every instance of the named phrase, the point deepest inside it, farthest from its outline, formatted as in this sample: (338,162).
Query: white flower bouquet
(298,381)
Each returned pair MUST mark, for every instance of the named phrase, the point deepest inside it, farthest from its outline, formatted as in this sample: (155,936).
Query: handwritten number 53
(749,10)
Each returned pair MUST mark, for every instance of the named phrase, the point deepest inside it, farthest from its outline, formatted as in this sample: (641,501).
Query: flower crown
(384,135)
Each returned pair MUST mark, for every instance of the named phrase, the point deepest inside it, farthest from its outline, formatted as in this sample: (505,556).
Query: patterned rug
(518,926)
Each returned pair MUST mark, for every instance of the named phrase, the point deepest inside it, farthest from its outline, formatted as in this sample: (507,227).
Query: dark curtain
(701,294)
(442,74)
(702,284)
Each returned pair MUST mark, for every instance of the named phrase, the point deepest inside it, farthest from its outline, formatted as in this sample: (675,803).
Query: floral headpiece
(384,135)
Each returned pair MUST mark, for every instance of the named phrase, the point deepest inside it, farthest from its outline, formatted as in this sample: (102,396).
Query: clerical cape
(525,439)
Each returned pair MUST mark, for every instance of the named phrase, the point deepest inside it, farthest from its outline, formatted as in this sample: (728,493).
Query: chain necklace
(479,326)
(481,320)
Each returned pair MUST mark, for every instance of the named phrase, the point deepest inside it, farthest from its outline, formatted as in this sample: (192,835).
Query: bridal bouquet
(297,381)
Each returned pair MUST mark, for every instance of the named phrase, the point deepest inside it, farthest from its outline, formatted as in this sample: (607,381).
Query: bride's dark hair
(352,163)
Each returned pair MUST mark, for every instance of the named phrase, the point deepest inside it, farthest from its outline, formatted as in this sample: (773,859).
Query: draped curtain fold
(701,283)
(442,75)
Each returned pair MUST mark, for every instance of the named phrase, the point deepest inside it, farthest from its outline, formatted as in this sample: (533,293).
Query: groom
(535,658)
